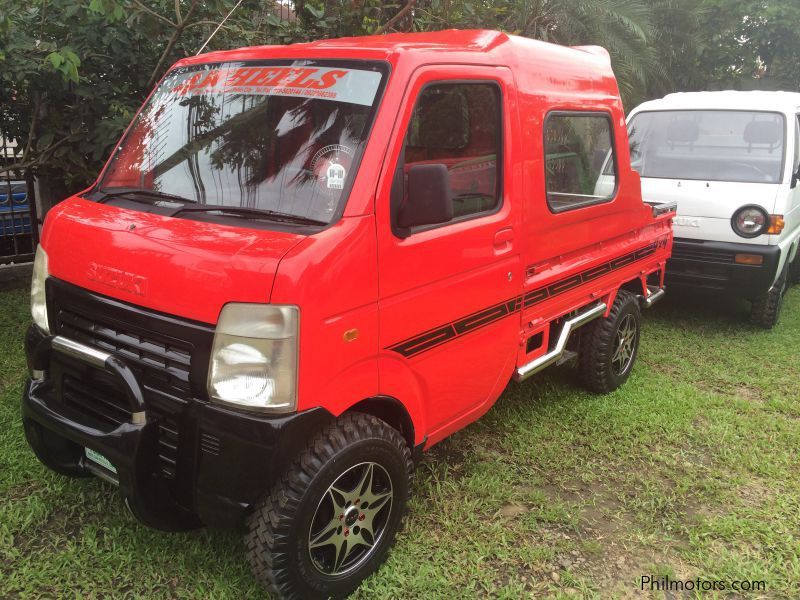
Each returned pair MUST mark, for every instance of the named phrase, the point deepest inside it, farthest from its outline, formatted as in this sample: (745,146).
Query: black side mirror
(429,200)
(795,178)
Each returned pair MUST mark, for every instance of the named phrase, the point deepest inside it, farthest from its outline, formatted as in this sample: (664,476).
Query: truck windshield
(709,145)
(284,137)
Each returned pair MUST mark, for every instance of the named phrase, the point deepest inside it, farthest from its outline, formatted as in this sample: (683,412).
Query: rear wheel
(330,521)
(766,309)
(608,346)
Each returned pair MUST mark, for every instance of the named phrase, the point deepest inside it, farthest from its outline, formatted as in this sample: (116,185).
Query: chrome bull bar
(98,359)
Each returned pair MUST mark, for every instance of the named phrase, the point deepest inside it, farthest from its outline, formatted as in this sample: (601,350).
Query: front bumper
(226,460)
(711,266)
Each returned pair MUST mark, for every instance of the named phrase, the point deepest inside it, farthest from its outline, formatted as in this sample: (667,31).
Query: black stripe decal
(435,337)
(515,304)
(426,341)
(564,285)
(622,261)
(535,297)
(490,315)
(596,272)
(647,251)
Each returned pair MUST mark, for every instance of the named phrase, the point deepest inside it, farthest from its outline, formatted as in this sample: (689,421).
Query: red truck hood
(181,267)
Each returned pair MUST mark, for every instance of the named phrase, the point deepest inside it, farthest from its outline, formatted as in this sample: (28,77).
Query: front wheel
(330,521)
(608,346)
(766,309)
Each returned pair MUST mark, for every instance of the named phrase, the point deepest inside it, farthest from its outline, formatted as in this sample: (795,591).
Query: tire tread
(765,310)
(267,540)
(596,339)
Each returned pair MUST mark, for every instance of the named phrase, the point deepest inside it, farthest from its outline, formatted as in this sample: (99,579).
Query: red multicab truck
(305,265)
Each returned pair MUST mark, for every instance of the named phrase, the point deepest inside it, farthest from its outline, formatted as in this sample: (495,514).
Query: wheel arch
(390,410)
(793,248)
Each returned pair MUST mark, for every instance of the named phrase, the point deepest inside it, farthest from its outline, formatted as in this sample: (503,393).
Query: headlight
(750,221)
(38,300)
(254,357)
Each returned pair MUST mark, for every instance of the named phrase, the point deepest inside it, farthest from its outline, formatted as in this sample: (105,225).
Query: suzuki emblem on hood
(117,278)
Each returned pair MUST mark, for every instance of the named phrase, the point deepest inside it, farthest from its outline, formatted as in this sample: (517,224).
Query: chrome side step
(654,294)
(537,364)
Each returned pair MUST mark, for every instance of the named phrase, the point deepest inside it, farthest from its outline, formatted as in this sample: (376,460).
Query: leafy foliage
(752,44)
(73,72)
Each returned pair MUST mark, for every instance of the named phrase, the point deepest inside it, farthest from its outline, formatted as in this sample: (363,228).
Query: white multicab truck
(731,160)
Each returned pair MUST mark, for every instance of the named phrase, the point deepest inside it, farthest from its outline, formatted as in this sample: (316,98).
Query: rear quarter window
(580,165)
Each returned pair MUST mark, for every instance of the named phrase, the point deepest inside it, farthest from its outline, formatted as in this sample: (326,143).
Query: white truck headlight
(750,221)
(254,357)
(38,300)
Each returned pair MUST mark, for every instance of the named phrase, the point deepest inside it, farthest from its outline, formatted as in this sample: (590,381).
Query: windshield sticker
(341,85)
(335,176)
(330,165)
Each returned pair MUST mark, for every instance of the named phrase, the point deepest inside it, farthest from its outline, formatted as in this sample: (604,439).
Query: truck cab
(305,265)
(731,161)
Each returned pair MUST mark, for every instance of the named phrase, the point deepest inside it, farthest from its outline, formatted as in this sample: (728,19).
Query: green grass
(690,470)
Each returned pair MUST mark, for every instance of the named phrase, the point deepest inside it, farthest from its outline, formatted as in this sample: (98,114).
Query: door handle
(503,240)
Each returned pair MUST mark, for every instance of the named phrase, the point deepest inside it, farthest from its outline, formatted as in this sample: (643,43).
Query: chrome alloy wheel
(624,345)
(350,519)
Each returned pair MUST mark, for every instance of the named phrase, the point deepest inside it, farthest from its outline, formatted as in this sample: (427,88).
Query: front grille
(107,407)
(168,440)
(166,362)
(169,357)
(210,444)
(699,253)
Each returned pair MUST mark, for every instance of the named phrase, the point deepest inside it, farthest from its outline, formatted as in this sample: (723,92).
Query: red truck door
(449,324)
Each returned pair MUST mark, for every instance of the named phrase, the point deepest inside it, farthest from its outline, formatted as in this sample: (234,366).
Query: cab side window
(580,165)
(457,127)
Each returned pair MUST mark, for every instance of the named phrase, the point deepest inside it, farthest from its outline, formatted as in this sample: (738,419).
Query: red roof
(388,47)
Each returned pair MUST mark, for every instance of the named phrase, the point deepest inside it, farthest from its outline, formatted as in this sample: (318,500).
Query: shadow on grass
(682,307)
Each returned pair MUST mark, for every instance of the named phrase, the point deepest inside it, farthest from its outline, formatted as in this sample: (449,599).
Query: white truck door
(792,207)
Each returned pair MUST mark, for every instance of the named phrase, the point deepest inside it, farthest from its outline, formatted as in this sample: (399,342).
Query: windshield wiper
(140,195)
(254,214)
(155,197)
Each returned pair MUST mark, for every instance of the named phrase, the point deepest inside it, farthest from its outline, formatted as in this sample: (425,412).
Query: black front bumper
(711,266)
(223,463)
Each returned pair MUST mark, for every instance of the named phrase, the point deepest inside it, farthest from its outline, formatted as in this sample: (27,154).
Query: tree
(650,41)
(73,72)
(750,44)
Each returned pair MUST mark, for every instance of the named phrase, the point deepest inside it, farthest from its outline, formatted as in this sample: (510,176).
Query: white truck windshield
(711,145)
(279,136)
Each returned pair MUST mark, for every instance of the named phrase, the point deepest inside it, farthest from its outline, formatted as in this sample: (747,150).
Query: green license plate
(99,459)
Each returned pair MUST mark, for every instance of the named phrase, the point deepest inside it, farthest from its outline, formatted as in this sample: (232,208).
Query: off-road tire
(597,345)
(766,309)
(278,529)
